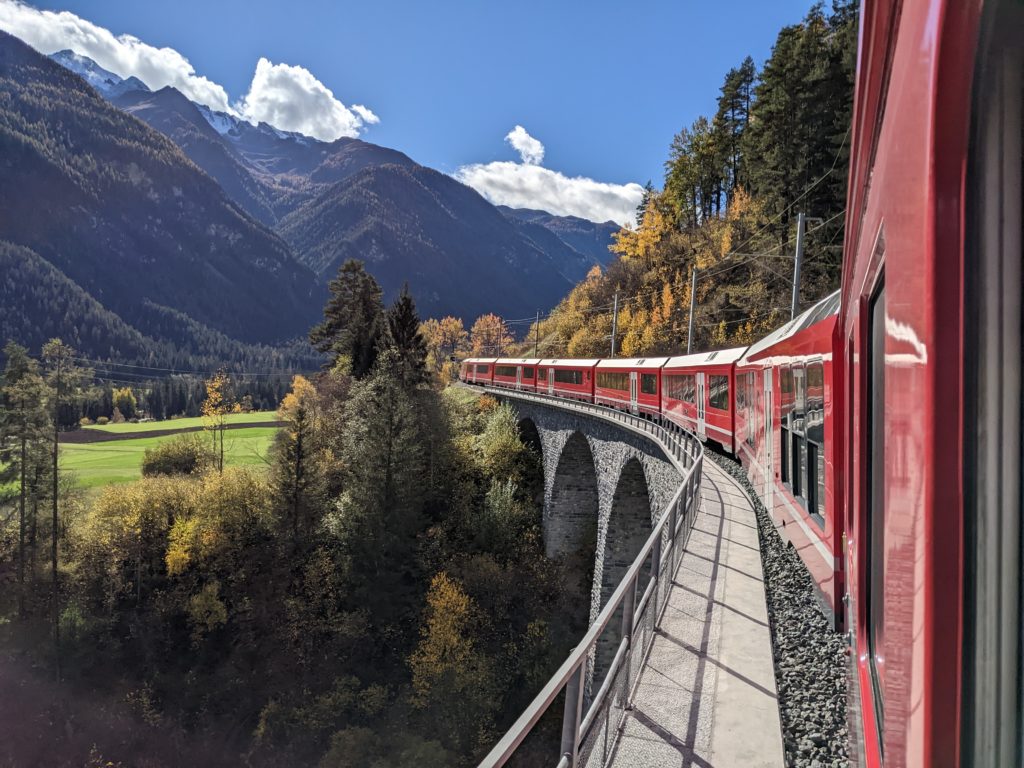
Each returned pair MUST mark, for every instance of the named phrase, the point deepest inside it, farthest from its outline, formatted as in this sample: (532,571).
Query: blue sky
(603,85)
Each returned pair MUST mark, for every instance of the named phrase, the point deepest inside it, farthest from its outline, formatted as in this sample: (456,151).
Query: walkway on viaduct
(675,670)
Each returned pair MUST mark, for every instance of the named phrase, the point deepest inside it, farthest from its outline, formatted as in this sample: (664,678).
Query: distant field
(192,423)
(120,461)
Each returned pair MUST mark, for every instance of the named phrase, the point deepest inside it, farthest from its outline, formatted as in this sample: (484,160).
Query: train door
(519,377)
(701,408)
(769,439)
(551,381)
(632,392)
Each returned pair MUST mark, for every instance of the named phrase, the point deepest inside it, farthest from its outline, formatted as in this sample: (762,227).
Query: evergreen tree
(641,208)
(405,338)
(297,477)
(23,427)
(731,122)
(353,320)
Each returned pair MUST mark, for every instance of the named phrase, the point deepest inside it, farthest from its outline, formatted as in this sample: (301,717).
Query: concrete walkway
(707,693)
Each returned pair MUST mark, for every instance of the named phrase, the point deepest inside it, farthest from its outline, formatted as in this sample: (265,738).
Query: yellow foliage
(206,611)
(446,643)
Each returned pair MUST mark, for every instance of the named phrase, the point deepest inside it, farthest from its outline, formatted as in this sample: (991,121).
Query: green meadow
(120,461)
(189,423)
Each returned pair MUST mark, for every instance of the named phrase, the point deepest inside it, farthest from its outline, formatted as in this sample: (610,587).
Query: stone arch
(530,435)
(629,527)
(570,516)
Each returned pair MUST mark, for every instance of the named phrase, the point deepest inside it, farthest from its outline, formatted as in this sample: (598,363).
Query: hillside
(118,208)
(590,238)
(457,252)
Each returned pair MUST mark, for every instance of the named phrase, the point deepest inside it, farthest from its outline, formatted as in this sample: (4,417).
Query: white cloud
(529,149)
(292,99)
(124,55)
(528,185)
(287,97)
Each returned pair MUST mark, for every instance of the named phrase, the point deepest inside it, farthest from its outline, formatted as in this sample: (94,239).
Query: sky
(565,105)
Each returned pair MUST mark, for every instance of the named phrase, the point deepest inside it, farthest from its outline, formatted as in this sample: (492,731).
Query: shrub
(184,455)
(85,421)
(102,420)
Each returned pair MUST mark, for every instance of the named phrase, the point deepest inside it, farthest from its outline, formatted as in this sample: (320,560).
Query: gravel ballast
(810,657)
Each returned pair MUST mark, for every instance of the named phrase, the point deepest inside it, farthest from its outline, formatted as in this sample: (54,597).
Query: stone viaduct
(605,486)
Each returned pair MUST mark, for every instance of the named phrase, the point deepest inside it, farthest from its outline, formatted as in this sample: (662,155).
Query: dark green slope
(119,209)
(409,223)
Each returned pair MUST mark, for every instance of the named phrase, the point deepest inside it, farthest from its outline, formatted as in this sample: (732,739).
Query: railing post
(573,713)
(628,617)
(655,575)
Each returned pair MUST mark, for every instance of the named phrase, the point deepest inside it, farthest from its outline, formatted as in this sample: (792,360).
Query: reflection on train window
(681,387)
(649,383)
(613,380)
(875,507)
(798,461)
(504,370)
(566,376)
(784,462)
(718,396)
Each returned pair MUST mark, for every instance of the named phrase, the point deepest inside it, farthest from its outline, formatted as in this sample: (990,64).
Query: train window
(719,393)
(813,489)
(613,380)
(785,455)
(750,411)
(527,373)
(875,507)
(819,494)
(483,369)
(542,373)
(505,370)
(681,387)
(798,460)
(567,376)
(786,380)
(649,383)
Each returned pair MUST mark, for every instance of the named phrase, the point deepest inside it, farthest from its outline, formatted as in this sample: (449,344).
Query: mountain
(106,82)
(119,210)
(410,223)
(352,199)
(588,237)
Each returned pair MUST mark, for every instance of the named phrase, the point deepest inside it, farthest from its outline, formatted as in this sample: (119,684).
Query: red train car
(789,440)
(630,384)
(477,370)
(567,378)
(697,394)
(516,373)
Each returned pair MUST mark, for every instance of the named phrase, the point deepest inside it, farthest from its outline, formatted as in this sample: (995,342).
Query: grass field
(155,426)
(120,461)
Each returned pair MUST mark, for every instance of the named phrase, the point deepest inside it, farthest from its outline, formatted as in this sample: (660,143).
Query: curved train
(883,427)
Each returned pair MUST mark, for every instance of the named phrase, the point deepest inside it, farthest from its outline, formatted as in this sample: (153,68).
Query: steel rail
(659,556)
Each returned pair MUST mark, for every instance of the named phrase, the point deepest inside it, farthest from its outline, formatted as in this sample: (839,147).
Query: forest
(377,595)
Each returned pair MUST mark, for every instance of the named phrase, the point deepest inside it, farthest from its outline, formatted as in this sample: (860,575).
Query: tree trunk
(21,526)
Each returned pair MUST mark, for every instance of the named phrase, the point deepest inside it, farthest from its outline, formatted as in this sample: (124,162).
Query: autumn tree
(490,336)
(125,402)
(353,320)
(218,404)
(444,338)
(297,477)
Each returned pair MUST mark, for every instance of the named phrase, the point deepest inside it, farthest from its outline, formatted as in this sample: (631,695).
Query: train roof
(633,362)
(586,363)
(480,360)
(518,360)
(827,307)
(718,357)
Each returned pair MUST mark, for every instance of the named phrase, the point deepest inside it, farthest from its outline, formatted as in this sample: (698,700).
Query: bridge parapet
(595,704)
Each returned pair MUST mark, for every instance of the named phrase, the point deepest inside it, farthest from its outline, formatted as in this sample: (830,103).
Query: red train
(883,427)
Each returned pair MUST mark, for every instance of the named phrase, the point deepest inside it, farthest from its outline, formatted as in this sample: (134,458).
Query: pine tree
(23,426)
(69,386)
(353,320)
(405,338)
(297,479)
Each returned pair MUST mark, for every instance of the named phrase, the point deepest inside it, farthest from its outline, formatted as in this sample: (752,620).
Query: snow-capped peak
(103,80)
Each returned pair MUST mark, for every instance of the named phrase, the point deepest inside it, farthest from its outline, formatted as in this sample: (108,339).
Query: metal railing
(590,725)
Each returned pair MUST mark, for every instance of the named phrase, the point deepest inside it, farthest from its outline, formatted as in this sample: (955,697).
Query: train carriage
(630,384)
(516,373)
(697,394)
(787,440)
(477,370)
(567,378)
